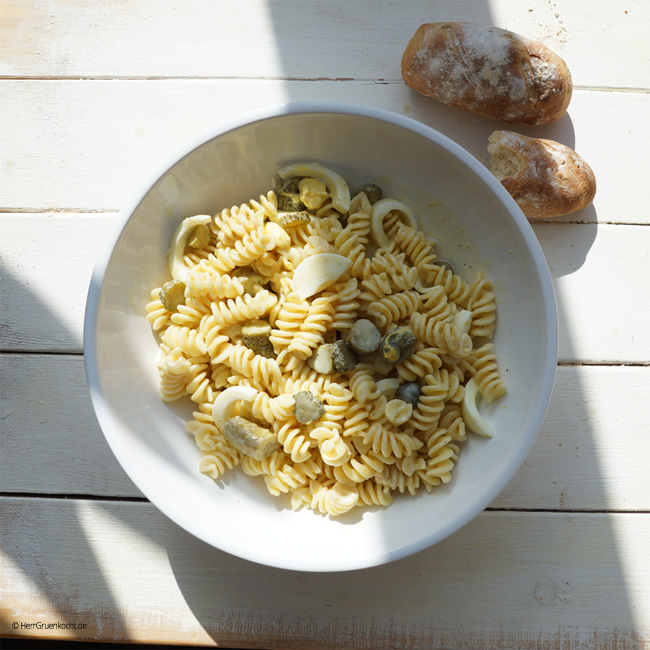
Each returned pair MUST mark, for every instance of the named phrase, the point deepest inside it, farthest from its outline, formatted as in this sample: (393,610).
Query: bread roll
(488,71)
(545,178)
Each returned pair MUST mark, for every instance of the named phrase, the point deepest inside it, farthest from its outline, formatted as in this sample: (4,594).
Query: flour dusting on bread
(546,178)
(489,71)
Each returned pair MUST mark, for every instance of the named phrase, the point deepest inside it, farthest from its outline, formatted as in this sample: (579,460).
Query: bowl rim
(103,411)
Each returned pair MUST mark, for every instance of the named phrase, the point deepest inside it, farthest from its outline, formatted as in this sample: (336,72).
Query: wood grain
(577,462)
(301,40)
(578,580)
(92,96)
(47,263)
(47,291)
(90,143)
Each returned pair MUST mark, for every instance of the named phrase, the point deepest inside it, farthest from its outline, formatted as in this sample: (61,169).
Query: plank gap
(275,78)
(612,363)
(122,499)
(68,497)
(576,511)
(37,353)
(604,364)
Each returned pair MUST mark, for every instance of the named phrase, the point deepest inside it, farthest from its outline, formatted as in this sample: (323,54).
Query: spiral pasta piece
(310,334)
(457,290)
(359,469)
(451,419)
(234,224)
(363,384)
(199,383)
(352,240)
(289,477)
(386,442)
(244,361)
(204,280)
(442,334)
(435,304)
(243,308)
(430,404)
(189,315)
(217,454)
(419,364)
(420,251)
(333,449)
(190,341)
(487,374)
(157,315)
(369,436)
(356,421)
(372,494)
(271,409)
(267,206)
(483,307)
(392,478)
(394,308)
(335,500)
(174,369)
(375,287)
(442,453)
(345,304)
(294,440)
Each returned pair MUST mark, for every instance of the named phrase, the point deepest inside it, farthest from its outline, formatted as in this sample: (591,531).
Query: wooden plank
(582,459)
(297,39)
(45,294)
(576,463)
(47,263)
(46,414)
(106,136)
(507,580)
(600,277)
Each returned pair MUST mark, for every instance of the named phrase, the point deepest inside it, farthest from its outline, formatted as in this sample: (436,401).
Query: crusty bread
(489,71)
(546,178)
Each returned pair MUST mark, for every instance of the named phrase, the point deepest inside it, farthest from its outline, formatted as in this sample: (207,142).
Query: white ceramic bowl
(230,164)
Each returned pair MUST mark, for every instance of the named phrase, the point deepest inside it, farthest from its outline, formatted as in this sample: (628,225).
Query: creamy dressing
(435,219)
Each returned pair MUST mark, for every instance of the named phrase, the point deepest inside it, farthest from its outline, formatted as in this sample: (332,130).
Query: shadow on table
(358,610)
(291,609)
(55,556)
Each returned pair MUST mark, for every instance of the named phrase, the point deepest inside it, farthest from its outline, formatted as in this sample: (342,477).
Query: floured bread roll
(546,178)
(489,71)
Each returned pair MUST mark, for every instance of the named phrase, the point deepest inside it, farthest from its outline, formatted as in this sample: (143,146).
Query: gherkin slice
(250,438)
(172,294)
(307,408)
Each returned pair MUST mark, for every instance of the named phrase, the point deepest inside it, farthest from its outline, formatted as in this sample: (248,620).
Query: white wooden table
(92,95)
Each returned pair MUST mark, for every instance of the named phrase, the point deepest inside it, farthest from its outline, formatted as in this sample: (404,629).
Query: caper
(364,337)
(409,392)
(372,191)
(172,294)
(445,265)
(307,408)
(397,344)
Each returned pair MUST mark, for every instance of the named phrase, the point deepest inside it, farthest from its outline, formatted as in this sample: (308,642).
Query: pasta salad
(326,346)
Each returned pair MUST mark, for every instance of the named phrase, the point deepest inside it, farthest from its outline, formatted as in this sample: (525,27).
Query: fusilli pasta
(372,425)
